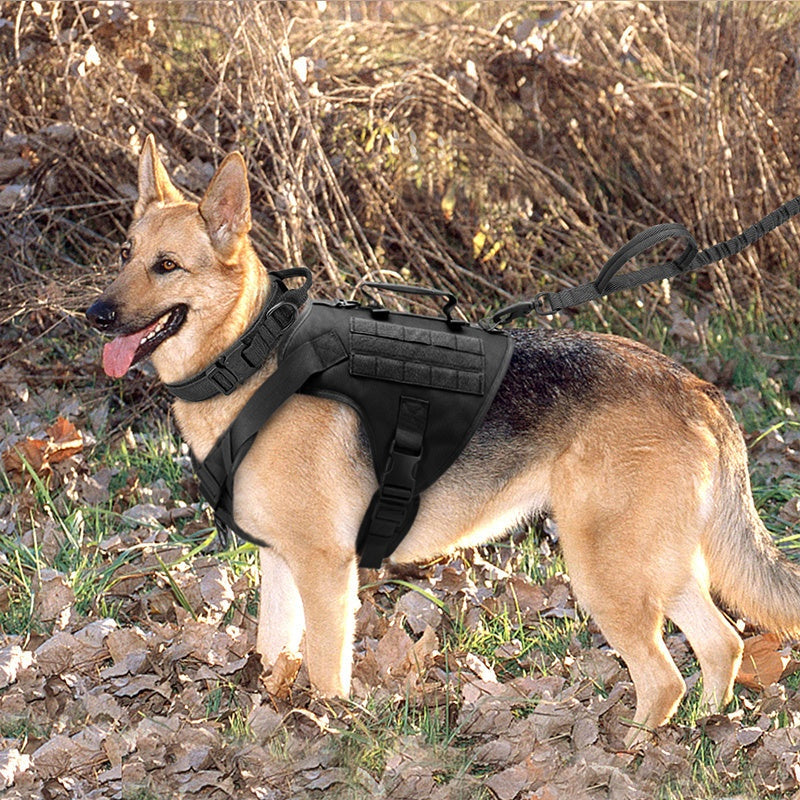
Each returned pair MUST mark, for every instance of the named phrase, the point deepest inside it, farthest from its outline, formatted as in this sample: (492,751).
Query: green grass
(141,793)
(708,784)
(21,728)
(144,459)
(221,705)
(378,728)
(86,567)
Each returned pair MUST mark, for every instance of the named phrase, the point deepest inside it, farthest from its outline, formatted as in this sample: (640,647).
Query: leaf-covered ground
(127,664)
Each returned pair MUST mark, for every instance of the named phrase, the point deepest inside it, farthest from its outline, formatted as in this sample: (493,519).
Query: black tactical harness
(421,385)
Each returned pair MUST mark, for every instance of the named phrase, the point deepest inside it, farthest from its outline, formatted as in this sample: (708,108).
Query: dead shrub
(496,152)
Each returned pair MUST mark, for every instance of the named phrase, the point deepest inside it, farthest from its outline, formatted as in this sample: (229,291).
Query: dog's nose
(101,314)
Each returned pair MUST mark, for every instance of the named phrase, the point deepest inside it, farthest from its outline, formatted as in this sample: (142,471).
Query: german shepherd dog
(639,462)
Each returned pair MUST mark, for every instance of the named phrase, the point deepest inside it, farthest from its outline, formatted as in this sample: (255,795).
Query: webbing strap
(608,281)
(247,355)
(394,505)
(216,473)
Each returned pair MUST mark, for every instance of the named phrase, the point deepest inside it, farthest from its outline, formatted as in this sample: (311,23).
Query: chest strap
(394,506)
(216,472)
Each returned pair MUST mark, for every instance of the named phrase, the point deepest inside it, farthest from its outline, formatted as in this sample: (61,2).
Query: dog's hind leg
(659,685)
(621,554)
(632,625)
(280,610)
(715,642)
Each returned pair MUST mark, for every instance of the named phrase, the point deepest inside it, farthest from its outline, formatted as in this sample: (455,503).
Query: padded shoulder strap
(217,471)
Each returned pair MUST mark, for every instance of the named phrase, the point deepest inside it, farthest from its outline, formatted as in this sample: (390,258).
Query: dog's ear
(154,183)
(225,207)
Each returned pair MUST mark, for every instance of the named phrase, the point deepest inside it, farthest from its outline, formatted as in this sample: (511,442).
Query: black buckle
(223,378)
(401,472)
(397,489)
(394,506)
(289,321)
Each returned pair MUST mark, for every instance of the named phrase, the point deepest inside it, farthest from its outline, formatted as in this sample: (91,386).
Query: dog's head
(184,267)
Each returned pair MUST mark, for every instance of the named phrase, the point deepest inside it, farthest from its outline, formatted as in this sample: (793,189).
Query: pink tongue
(118,354)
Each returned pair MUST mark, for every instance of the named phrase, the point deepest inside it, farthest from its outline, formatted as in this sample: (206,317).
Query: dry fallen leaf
(128,649)
(12,763)
(263,721)
(216,588)
(54,757)
(12,660)
(764,661)
(56,654)
(393,651)
(27,452)
(284,671)
(63,441)
(419,611)
(510,782)
(52,595)
(585,731)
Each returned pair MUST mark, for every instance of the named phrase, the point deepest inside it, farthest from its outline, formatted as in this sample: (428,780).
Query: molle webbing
(421,386)
(416,356)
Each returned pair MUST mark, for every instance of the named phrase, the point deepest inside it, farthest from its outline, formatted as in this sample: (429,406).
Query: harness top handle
(607,281)
(447,309)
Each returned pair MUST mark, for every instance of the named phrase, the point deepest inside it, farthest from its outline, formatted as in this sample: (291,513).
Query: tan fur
(650,492)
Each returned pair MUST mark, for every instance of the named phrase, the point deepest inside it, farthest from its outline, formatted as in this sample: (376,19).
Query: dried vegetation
(494,151)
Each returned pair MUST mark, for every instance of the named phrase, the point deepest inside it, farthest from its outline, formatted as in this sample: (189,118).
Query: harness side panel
(456,370)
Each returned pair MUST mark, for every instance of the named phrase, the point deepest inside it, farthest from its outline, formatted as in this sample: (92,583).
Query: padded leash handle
(608,281)
(450,299)
(641,243)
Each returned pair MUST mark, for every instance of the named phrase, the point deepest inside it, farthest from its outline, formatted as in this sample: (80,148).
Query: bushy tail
(747,571)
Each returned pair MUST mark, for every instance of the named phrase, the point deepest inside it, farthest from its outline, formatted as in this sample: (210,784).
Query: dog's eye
(166,265)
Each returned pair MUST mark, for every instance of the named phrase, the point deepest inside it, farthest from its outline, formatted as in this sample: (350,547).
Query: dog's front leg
(329,590)
(280,610)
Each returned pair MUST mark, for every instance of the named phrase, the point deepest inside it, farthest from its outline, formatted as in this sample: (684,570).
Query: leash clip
(505,315)
(543,304)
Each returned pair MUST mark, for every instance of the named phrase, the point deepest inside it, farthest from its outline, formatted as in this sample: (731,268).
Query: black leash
(607,282)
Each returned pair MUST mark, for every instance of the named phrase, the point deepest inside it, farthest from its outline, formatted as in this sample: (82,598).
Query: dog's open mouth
(123,352)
